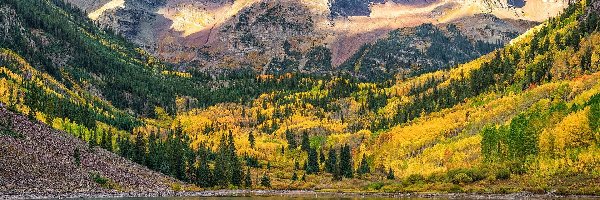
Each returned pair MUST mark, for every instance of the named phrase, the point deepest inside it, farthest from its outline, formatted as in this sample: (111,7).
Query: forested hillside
(492,123)
(418,50)
(524,117)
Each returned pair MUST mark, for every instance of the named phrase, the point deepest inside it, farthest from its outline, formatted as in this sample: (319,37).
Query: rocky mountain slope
(252,33)
(523,118)
(414,50)
(35,159)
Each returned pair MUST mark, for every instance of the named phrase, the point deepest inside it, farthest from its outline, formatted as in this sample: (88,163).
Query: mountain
(425,48)
(522,118)
(215,35)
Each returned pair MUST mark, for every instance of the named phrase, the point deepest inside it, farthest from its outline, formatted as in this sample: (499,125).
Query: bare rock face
(88,5)
(271,36)
(38,160)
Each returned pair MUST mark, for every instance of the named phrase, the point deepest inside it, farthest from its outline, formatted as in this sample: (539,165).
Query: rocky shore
(291,193)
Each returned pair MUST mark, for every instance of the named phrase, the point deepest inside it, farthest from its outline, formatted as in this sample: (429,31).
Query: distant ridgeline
(415,51)
(528,112)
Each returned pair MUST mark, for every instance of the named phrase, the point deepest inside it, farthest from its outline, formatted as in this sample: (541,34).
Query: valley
(154,98)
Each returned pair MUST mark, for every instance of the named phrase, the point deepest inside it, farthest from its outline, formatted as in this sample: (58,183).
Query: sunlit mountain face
(272,36)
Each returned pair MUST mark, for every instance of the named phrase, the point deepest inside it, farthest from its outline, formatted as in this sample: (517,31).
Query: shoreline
(291,193)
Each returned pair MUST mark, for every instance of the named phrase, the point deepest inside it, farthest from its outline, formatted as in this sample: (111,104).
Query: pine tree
(390,174)
(140,149)
(294,176)
(313,162)
(177,154)
(265,181)
(345,164)
(251,140)
(321,156)
(305,146)
(190,160)
(291,139)
(303,179)
(153,153)
(331,163)
(203,173)
(364,166)
(222,164)
(337,174)
(236,167)
(248,179)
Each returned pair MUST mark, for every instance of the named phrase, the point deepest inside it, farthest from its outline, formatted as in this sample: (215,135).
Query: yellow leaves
(40,117)
(335,140)
(427,144)
(301,123)
(193,123)
(573,131)
(463,153)
(175,73)
(589,160)
(585,160)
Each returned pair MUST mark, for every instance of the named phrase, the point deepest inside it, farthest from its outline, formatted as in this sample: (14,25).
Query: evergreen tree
(248,179)
(331,163)
(139,149)
(203,173)
(390,174)
(291,139)
(305,146)
(177,154)
(236,167)
(305,165)
(294,176)
(321,156)
(251,140)
(313,162)
(222,164)
(303,179)
(153,153)
(265,181)
(337,174)
(345,164)
(364,166)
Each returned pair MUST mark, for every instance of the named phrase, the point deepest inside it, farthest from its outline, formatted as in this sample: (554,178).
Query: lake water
(255,198)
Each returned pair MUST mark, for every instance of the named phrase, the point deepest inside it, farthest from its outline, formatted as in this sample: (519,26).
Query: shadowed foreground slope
(36,159)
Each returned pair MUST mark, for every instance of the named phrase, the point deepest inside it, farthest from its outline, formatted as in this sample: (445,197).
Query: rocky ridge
(223,34)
